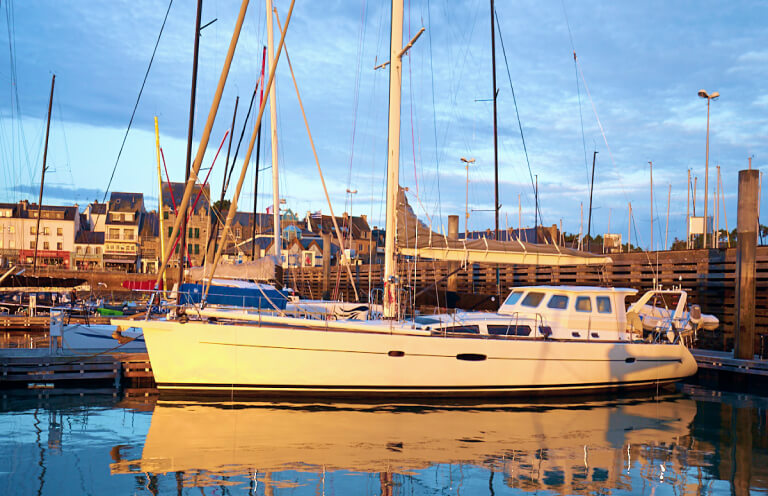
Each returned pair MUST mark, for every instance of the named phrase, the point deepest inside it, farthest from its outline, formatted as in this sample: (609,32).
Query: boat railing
(673,330)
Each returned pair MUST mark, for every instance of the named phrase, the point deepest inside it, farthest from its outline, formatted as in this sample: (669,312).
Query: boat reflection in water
(582,447)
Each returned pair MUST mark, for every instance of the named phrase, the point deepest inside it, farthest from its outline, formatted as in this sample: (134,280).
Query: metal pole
(273,134)
(629,230)
(190,132)
(258,155)
(393,161)
(666,233)
(42,178)
(651,206)
(160,196)
(688,213)
(466,205)
(495,127)
(536,211)
(706,179)
(589,216)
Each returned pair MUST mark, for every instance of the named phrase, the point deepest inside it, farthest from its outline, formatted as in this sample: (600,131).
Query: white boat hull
(279,360)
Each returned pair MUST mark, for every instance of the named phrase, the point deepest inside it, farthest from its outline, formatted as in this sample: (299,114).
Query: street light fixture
(709,97)
(467,161)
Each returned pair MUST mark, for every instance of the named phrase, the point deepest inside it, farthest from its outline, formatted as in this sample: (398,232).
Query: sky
(632,98)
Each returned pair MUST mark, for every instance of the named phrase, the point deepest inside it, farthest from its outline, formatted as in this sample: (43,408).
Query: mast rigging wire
(138,98)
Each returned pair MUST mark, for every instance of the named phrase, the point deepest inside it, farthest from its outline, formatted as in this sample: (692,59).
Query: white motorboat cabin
(582,313)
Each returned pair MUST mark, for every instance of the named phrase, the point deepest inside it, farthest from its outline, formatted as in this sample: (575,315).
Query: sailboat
(265,355)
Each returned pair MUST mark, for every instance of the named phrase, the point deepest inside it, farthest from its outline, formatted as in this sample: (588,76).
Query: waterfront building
(55,243)
(198,226)
(149,242)
(89,251)
(121,245)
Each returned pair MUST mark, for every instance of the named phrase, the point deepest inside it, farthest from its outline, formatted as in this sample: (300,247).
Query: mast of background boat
(160,196)
(495,129)
(589,216)
(193,92)
(273,132)
(258,154)
(42,178)
(205,136)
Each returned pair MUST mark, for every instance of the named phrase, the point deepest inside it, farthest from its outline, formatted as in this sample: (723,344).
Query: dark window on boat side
(559,302)
(583,304)
(532,299)
(464,329)
(513,298)
(603,304)
(511,330)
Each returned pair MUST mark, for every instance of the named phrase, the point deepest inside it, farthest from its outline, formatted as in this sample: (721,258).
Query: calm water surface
(692,442)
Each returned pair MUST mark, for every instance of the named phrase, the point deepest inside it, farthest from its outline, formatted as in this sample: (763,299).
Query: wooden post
(453,233)
(326,262)
(744,342)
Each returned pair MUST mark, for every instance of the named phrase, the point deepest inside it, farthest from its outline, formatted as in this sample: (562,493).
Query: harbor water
(689,441)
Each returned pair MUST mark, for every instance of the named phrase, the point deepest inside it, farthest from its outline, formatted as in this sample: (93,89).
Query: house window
(170,231)
(165,215)
(197,233)
(32,230)
(97,250)
(46,246)
(12,229)
(128,234)
(87,250)
(79,249)
(60,246)
(31,245)
(1,243)
(197,249)
(59,231)
(114,234)
(190,233)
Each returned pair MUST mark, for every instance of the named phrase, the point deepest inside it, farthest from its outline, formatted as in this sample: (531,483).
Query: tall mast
(193,92)
(160,196)
(589,216)
(258,154)
(495,128)
(273,135)
(42,178)
(393,160)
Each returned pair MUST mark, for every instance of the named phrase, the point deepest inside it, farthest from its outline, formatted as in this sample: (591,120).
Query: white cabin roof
(575,289)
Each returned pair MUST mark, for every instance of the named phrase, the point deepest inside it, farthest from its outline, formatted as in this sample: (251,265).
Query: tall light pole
(709,97)
(467,161)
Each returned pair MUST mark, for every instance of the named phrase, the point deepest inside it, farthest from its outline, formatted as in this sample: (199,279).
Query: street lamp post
(709,97)
(467,161)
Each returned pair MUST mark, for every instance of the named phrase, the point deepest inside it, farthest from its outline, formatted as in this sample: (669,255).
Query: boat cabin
(552,312)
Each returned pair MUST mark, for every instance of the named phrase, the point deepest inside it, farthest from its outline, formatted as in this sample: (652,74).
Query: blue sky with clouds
(643,63)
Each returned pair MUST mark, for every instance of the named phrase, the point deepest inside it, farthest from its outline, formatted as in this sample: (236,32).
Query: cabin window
(513,298)
(532,299)
(603,304)
(464,329)
(583,304)
(559,302)
(509,330)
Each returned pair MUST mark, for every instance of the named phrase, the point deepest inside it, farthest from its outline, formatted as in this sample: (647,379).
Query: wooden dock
(36,369)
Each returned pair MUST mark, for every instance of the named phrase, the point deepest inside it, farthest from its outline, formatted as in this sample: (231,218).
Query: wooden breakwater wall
(707,275)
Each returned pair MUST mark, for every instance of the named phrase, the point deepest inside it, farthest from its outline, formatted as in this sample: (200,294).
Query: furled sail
(415,238)
(261,269)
